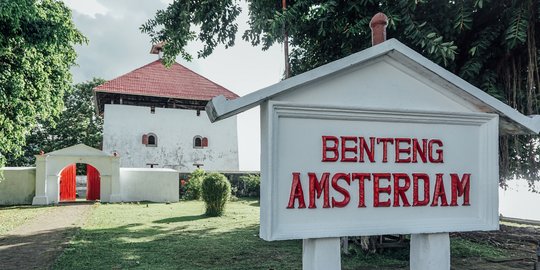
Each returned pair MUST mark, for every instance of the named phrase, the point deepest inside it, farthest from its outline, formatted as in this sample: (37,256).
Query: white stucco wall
(125,125)
(144,184)
(18,185)
(388,78)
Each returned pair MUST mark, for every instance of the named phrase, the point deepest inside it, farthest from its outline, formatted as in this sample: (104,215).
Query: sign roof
(512,121)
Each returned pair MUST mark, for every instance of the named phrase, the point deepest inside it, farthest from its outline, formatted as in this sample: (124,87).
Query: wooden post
(321,254)
(430,251)
(286,43)
(345,245)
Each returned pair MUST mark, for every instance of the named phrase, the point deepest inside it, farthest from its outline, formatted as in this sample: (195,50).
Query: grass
(176,236)
(390,259)
(462,248)
(513,224)
(12,217)
(179,236)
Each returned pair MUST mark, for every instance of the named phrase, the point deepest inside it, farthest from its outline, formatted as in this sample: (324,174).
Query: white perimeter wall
(125,125)
(136,184)
(18,185)
(155,185)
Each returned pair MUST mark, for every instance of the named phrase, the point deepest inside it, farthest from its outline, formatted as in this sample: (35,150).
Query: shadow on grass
(33,251)
(183,247)
(181,219)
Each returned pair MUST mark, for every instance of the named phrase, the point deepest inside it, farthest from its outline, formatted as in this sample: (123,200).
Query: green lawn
(176,236)
(12,217)
(179,236)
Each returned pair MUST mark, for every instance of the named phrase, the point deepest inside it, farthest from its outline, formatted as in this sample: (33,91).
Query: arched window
(197,142)
(150,139)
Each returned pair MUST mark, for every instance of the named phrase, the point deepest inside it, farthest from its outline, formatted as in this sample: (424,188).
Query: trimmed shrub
(252,185)
(216,190)
(194,185)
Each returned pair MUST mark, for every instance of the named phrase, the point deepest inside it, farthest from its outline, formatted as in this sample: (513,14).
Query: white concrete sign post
(380,142)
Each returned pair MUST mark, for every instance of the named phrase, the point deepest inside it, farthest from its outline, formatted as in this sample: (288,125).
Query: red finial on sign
(378,28)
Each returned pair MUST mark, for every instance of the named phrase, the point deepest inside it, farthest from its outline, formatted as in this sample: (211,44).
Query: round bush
(252,185)
(216,190)
(194,185)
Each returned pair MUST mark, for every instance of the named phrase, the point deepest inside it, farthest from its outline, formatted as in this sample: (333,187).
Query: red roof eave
(154,79)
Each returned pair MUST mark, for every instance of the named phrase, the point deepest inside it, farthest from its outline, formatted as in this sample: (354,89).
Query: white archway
(49,166)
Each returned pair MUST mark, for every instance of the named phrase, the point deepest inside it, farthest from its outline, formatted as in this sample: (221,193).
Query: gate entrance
(68,183)
(49,169)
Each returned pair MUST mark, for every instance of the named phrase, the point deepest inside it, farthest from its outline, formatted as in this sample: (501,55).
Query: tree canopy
(77,123)
(491,44)
(37,39)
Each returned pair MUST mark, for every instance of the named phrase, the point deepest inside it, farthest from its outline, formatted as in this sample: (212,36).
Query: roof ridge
(141,67)
(217,84)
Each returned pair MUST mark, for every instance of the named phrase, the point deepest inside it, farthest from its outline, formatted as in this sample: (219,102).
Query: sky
(117,46)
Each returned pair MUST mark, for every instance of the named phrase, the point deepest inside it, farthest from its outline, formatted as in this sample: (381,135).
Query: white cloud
(86,7)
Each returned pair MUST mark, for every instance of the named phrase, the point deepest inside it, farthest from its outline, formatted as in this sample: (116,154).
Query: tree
(491,44)
(77,123)
(36,52)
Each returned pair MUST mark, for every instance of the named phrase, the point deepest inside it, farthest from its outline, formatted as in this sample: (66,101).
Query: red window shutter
(205,142)
(144,139)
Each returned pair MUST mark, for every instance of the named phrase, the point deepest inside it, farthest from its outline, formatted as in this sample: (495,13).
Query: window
(200,142)
(197,142)
(150,140)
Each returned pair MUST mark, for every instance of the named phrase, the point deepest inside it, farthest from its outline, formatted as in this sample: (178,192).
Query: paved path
(37,244)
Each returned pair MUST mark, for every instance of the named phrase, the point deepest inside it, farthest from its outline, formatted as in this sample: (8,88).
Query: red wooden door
(92,183)
(68,183)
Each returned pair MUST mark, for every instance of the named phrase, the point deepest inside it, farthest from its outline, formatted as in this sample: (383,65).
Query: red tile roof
(154,79)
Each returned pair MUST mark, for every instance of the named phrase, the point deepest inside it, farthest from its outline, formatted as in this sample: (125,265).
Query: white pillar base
(430,251)
(321,254)
(40,200)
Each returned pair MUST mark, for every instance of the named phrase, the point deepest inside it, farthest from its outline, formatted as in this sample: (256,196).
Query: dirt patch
(37,244)
(518,242)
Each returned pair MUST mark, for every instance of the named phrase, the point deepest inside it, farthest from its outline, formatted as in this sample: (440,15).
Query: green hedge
(193,187)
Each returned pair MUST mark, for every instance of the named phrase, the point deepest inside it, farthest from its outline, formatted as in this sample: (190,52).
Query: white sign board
(330,172)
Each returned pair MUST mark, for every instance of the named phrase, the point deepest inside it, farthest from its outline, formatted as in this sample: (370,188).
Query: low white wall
(147,184)
(18,185)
